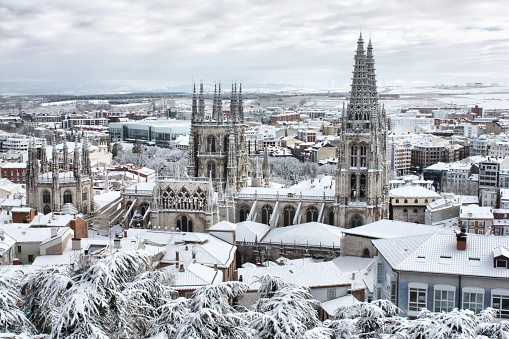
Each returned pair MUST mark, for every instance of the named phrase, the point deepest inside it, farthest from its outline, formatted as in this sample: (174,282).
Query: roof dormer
(501,257)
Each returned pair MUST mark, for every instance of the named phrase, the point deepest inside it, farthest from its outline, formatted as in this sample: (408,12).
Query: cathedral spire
(233,105)
(65,153)
(55,174)
(195,106)
(214,104)
(240,105)
(219,108)
(201,104)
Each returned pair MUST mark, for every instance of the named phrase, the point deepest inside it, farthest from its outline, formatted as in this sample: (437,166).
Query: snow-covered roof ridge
(311,234)
(413,192)
(393,229)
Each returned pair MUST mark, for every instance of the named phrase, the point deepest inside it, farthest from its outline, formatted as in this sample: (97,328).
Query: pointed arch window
(288,215)
(243,213)
(364,157)
(266,213)
(184,224)
(362,194)
(312,214)
(353,187)
(67,197)
(84,195)
(331,218)
(46,197)
(211,170)
(225,143)
(353,156)
(356,221)
(211,143)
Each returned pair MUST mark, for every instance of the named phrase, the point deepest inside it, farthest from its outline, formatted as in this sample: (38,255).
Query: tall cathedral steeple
(362,174)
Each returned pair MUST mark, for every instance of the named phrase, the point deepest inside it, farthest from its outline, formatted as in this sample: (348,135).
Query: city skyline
(58,46)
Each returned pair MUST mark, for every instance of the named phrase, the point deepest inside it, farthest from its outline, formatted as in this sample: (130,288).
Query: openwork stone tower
(362,174)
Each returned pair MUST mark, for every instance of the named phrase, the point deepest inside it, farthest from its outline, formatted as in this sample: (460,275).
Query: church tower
(217,147)
(362,174)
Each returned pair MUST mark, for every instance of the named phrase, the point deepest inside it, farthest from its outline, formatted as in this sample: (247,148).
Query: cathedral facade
(362,176)
(223,183)
(63,182)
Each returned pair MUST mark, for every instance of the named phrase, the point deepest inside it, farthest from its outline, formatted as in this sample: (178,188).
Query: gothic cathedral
(362,175)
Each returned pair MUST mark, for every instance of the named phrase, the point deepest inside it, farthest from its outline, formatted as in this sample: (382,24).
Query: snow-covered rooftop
(413,192)
(437,253)
(311,233)
(331,306)
(311,275)
(194,276)
(476,212)
(392,229)
(251,231)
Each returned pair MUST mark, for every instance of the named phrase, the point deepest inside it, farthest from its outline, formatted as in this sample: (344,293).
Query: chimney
(177,256)
(182,269)
(116,243)
(194,255)
(125,233)
(461,240)
(54,232)
(15,261)
(76,244)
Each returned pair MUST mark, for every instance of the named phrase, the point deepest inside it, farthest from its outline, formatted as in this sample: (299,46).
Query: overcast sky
(90,45)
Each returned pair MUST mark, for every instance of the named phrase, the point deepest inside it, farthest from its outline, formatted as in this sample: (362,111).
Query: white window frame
(418,287)
(472,290)
(331,294)
(444,288)
(503,294)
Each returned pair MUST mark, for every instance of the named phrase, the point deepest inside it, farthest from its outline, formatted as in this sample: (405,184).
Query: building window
(184,224)
(397,201)
(312,214)
(211,143)
(30,258)
(406,201)
(288,215)
(331,294)
(473,301)
(84,195)
(379,273)
(415,210)
(417,299)
(355,221)
(19,249)
(353,154)
(444,300)
(67,197)
(46,209)
(363,156)
(211,170)
(500,263)
(243,213)
(46,197)
(331,218)
(365,253)
(266,213)
(393,292)
(500,302)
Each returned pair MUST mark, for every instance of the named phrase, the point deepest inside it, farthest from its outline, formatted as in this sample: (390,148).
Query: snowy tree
(12,319)
(92,303)
(217,296)
(169,318)
(44,290)
(209,323)
(370,318)
(287,310)
(143,297)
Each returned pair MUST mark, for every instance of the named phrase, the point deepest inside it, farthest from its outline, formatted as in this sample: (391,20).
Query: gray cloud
(311,44)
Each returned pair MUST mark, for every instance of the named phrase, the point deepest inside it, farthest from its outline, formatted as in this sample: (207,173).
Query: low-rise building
(475,219)
(408,203)
(440,272)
